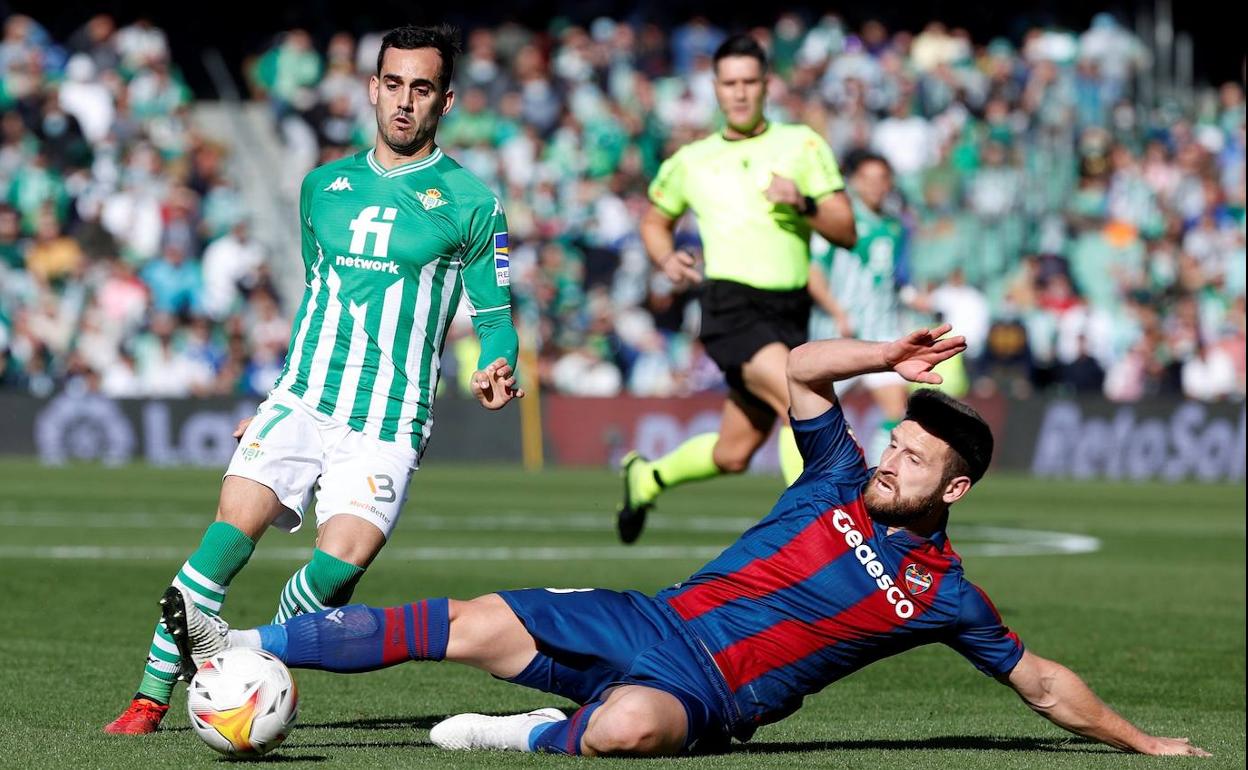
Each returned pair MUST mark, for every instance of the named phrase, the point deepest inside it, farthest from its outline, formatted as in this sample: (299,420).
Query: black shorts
(739,320)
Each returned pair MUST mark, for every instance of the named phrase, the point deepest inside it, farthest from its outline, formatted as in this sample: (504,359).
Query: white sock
(248,638)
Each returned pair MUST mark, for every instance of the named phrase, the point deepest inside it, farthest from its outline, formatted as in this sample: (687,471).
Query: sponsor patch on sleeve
(502,260)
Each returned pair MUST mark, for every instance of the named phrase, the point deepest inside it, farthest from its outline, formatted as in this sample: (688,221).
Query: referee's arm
(834,220)
(832,215)
(656,235)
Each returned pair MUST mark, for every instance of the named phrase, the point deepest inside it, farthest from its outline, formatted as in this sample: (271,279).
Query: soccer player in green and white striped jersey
(863,292)
(392,238)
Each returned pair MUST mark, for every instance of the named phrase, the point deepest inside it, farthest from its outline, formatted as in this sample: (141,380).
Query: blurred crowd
(1084,240)
(126,260)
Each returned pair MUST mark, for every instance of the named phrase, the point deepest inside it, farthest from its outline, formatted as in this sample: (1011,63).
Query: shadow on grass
(392,723)
(938,743)
(364,745)
(277,758)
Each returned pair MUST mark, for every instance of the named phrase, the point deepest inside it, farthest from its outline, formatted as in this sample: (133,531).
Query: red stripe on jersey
(394,637)
(809,551)
(422,627)
(804,555)
(789,641)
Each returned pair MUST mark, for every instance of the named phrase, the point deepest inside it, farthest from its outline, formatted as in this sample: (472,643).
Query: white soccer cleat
(197,634)
(478,731)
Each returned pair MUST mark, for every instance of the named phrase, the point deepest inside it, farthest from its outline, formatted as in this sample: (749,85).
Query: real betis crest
(431,198)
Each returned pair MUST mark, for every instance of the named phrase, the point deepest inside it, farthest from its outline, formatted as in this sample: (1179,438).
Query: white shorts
(294,450)
(871,381)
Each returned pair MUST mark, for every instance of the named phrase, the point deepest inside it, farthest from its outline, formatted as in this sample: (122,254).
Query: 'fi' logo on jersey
(918,579)
(375,222)
(502,260)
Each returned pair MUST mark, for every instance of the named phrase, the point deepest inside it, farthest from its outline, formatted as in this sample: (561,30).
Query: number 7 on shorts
(282,412)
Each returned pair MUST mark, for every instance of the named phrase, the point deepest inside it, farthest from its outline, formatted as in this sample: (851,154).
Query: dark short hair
(856,159)
(445,38)
(740,45)
(958,425)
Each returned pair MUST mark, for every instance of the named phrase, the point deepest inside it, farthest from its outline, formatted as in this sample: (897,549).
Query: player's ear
(955,489)
(374,88)
(448,100)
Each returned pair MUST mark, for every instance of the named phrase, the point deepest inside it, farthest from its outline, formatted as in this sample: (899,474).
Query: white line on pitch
(429,553)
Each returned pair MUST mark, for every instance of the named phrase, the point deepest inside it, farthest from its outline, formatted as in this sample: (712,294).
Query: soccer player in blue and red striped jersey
(851,565)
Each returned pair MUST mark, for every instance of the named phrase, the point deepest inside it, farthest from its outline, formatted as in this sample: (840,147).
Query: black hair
(959,426)
(856,158)
(740,45)
(445,38)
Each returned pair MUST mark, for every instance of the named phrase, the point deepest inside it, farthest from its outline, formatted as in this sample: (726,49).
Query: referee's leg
(746,422)
(764,376)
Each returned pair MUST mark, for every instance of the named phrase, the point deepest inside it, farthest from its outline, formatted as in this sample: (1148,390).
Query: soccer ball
(243,702)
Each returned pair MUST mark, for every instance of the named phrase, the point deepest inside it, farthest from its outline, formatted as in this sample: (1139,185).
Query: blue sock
(563,737)
(361,638)
(273,639)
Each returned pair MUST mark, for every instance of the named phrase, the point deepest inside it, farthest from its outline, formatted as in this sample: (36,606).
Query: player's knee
(630,727)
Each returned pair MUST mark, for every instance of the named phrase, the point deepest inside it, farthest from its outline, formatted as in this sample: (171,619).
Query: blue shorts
(591,639)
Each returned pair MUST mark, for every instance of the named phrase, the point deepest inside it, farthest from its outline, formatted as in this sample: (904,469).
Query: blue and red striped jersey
(817,590)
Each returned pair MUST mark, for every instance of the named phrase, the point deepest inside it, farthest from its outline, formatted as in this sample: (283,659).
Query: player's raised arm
(1060,696)
(815,366)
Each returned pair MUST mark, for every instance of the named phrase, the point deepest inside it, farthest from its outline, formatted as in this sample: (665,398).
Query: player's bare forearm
(815,366)
(825,361)
(834,220)
(821,293)
(1059,695)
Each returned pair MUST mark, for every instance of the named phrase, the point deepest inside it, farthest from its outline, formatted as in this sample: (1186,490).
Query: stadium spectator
(1040,145)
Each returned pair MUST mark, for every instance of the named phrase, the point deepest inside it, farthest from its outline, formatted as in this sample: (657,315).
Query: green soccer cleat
(630,519)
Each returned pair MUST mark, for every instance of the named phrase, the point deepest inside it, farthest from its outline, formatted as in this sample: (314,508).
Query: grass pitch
(1153,618)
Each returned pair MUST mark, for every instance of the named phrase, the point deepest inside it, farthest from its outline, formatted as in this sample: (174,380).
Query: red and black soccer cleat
(141,717)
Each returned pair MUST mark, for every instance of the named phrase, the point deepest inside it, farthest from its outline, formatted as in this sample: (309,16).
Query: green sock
(324,582)
(790,458)
(691,461)
(206,576)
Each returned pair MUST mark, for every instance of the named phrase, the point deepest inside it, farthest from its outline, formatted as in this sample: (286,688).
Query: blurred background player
(390,239)
(861,291)
(758,189)
(851,566)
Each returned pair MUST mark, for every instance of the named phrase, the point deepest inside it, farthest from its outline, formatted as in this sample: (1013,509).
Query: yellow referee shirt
(745,237)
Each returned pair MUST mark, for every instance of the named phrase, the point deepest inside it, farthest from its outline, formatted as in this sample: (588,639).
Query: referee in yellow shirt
(758,190)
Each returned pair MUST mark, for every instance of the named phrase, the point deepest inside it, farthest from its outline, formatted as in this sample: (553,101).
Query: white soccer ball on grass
(243,702)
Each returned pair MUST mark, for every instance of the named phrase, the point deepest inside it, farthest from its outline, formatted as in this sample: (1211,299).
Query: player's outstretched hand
(1174,747)
(914,355)
(495,385)
(241,428)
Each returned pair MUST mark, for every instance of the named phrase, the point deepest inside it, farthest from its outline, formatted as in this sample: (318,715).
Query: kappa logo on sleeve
(502,260)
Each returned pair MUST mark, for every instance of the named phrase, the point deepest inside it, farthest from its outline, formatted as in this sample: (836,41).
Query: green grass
(1153,620)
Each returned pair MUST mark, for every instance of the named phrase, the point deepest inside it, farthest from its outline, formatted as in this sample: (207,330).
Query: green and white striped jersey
(866,279)
(387,254)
